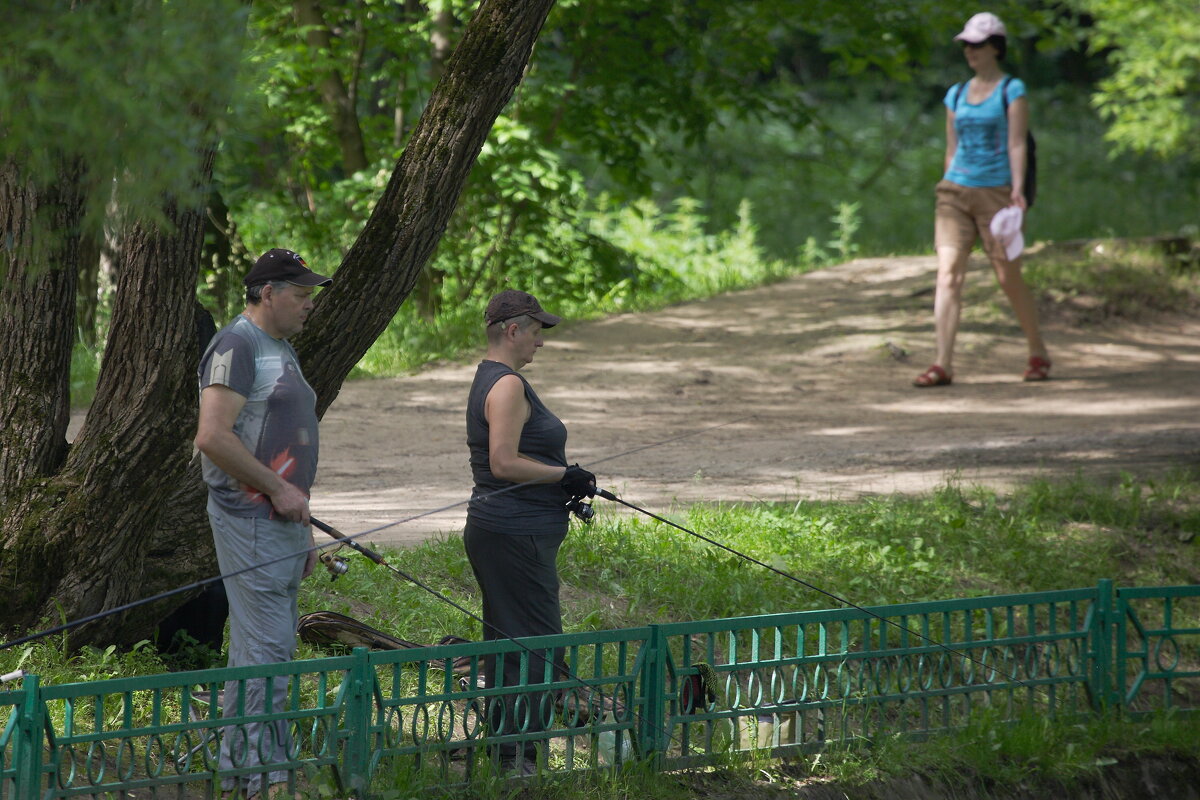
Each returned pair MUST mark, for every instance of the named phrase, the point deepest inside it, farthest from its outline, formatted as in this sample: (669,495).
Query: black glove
(578,482)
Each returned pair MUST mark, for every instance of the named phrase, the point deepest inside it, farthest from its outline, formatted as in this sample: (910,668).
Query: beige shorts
(964,214)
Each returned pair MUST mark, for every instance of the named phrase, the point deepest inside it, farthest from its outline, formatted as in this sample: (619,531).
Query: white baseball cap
(1006,227)
(980,27)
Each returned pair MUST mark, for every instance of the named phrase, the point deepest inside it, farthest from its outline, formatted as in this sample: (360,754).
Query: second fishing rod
(607,495)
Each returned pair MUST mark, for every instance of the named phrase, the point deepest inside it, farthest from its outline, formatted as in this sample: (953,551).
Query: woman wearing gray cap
(987,119)
(517,518)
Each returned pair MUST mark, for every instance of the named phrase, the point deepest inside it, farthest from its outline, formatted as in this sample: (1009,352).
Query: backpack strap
(958,90)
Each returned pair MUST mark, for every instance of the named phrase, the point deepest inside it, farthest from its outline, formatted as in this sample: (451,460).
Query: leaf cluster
(1152,96)
(125,92)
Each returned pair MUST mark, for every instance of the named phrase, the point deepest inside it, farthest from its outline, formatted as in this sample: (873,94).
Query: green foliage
(1036,750)
(85,371)
(1112,280)
(125,91)
(1152,97)
(54,662)
(614,258)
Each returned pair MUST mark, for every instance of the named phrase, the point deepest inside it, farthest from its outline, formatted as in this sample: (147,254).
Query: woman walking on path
(987,119)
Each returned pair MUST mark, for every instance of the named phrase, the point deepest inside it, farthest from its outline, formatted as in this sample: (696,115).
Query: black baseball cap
(278,264)
(513,303)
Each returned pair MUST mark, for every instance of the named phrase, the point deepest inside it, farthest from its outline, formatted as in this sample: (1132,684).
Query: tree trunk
(428,291)
(382,266)
(88,289)
(339,102)
(37,325)
(83,531)
(408,12)
(121,516)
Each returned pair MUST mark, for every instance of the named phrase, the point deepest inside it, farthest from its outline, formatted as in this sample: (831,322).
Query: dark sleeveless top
(535,509)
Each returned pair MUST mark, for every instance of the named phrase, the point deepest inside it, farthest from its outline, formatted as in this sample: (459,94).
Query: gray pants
(262,630)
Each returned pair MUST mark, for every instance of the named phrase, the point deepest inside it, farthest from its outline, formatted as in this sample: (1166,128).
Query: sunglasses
(974,45)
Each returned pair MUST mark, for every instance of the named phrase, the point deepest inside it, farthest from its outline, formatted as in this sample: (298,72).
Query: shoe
(1038,369)
(934,376)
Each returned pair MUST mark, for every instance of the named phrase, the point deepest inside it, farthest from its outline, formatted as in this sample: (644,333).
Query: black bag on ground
(331,629)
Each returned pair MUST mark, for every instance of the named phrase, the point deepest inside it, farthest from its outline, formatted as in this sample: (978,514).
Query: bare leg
(1023,305)
(947,302)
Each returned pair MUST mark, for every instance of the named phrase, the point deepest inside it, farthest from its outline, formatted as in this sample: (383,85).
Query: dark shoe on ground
(934,376)
(1038,369)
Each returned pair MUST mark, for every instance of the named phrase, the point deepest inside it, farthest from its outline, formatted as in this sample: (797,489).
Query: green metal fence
(676,695)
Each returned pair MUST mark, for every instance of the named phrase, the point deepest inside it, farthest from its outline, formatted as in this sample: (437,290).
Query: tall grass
(958,541)
(674,260)
(884,151)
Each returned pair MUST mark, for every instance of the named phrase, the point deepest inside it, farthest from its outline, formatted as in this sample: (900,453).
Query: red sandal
(934,376)
(1038,369)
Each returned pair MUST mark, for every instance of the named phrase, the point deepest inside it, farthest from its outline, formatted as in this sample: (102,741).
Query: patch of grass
(85,370)
(1032,754)
(988,752)
(957,541)
(1112,281)
(626,571)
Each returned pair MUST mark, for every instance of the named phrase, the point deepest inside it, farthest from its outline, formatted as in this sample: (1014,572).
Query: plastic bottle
(606,743)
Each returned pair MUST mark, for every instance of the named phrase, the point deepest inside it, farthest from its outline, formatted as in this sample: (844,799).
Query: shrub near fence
(675,695)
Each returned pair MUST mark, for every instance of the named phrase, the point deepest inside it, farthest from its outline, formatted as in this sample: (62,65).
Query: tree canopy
(1152,95)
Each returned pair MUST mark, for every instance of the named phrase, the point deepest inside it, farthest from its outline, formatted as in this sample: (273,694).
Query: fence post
(27,750)
(1102,646)
(651,733)
(356,764)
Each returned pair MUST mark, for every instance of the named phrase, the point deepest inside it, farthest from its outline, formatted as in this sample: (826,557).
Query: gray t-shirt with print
(278,424)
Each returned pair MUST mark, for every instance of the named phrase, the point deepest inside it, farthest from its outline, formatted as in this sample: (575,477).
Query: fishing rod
(381,561)
(607,495)
(337,569)
(334,565)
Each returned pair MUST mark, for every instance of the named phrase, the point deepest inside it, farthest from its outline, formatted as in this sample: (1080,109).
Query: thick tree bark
(83,529)
(381,268)
(37,323)
(88,288)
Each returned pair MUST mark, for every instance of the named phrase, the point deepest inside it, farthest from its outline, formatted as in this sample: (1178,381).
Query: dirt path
(810,382)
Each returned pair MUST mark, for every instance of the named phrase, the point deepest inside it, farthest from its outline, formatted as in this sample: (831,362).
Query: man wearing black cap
(257,436)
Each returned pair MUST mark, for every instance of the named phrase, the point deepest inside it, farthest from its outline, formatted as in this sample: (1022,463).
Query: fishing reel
(336,565)
(582,511)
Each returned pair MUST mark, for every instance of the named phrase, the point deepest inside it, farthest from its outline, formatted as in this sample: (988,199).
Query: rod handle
(335,533)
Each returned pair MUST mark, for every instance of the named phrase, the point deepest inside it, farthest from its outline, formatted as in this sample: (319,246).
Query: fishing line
(673,439)
(380,560)
(607,495)
(344,540)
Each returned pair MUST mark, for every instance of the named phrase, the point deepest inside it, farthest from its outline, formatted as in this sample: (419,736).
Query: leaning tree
(118,514)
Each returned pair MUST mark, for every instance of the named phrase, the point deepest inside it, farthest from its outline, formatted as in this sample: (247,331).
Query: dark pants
(518,576)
